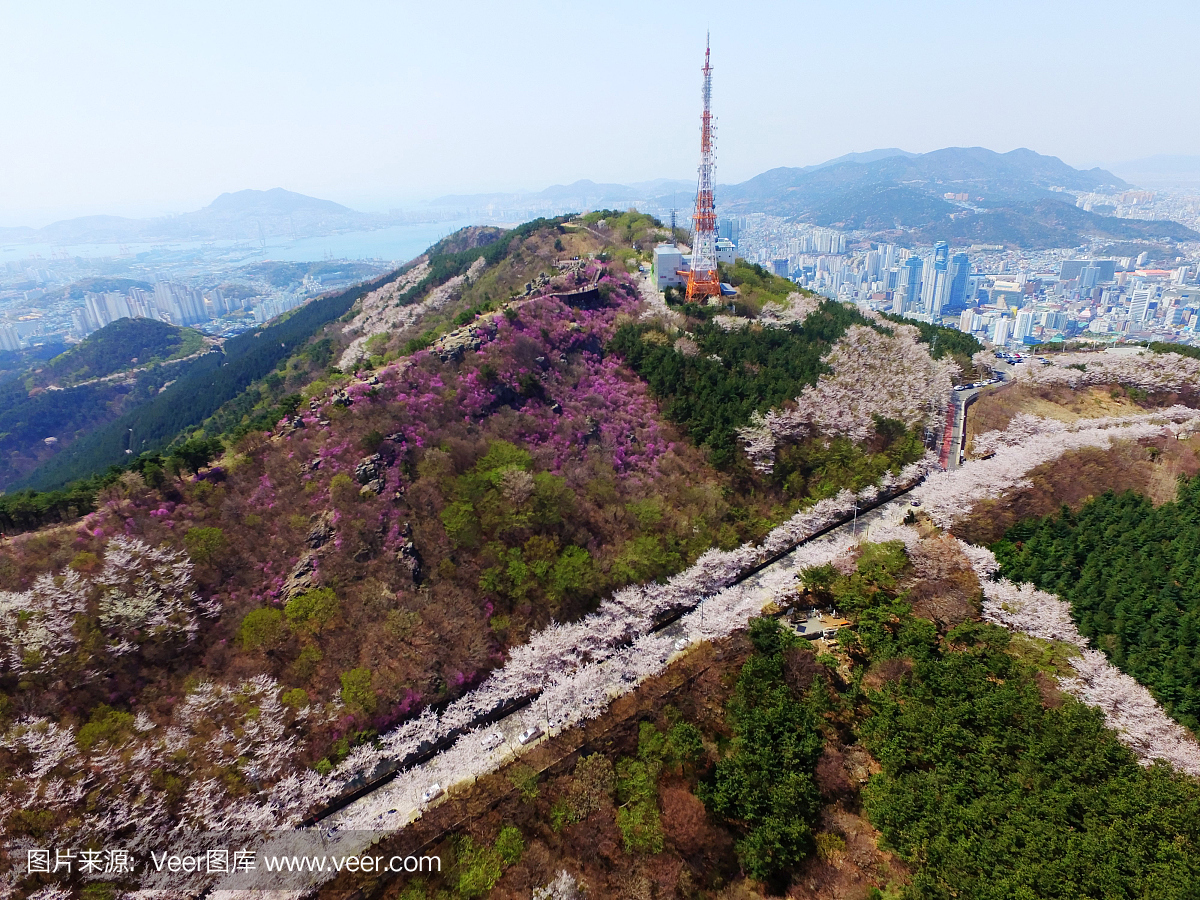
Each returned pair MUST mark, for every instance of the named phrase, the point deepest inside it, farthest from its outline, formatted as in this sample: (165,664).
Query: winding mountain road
(567,700)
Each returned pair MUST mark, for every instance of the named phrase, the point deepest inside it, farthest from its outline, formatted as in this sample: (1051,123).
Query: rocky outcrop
(455,344)
(303,576)
(380,312)
(321,532)
(408,556)
(370,473)
(470,238)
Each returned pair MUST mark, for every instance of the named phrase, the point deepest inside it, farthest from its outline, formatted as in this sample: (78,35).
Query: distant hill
(242,215)
(275,201)
(1156,172)
(291,274)
(1020,198)
(1044,224)
(100,283)
(867,157)
(981,173)
(118,346)
(880,207)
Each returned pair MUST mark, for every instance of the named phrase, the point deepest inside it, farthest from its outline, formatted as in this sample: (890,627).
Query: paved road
(961,399)
(553,708)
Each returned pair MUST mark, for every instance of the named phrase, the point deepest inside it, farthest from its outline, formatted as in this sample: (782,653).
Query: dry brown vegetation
(1151,467)
(849,861)
(945,588)
(996,408)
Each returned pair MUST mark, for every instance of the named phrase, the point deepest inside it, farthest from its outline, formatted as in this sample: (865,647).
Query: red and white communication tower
(703,280)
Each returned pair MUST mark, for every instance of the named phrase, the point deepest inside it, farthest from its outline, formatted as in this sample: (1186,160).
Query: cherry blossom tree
(379,312)
(141,593)
(872,374)
(562,887)
(793,311)
(948,496)
(1147,371)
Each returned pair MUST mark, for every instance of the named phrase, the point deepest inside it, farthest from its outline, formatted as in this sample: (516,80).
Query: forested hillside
(1129,571)
(715,372)
(909,760)
(118,346)
(243,624)
(55,402)
(214,379)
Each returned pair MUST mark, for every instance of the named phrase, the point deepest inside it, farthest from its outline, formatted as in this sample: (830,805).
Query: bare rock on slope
(380,314)
(321,532)
(303,576)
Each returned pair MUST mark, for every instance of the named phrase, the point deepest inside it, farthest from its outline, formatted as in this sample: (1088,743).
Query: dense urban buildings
(1011,297)
(66,298)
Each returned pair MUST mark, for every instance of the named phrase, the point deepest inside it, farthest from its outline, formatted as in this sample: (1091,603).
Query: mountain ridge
(883,190)
(1017,175)
(581,189)
(245,215)
(961,194)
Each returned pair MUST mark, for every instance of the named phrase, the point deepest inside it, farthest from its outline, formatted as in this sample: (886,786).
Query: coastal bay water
(397,243)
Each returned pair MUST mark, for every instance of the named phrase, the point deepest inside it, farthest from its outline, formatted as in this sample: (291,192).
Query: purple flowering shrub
(451,506)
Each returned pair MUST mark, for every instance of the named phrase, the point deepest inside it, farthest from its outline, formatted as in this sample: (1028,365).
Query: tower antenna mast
(703,280)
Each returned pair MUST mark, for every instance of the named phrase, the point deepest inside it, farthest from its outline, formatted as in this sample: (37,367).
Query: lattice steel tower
(703,280)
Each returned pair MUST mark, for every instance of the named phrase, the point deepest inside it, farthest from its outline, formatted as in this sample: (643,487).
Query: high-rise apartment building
(97,310)
(960,282)
(9,339)
(1023,325)
(184,305)
(887,257)
(1000,335)
(909,286)
(117,306)
(1139,304)
(935,290)
(871,264)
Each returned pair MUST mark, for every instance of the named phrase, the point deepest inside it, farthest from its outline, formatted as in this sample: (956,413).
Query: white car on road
(432,793)
(492,741)
(530,734)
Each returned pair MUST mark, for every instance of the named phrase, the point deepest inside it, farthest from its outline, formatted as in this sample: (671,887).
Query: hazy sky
(147,108)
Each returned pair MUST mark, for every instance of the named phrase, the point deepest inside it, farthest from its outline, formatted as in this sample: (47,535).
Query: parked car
(682,643)
(432,793)
(492,741)
(532,733)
